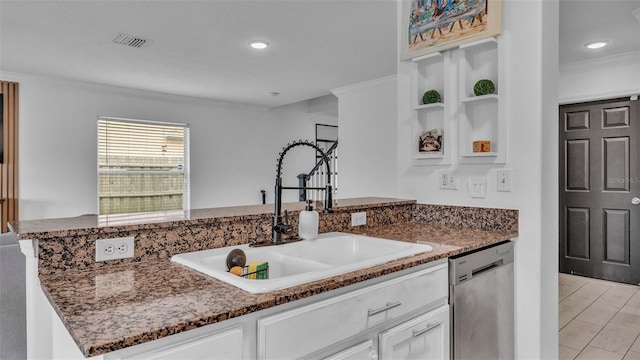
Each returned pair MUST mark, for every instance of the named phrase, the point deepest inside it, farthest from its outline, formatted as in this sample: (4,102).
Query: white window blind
(143,166)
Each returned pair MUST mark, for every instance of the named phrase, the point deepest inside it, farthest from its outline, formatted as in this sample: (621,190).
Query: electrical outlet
(122,248)
(109,250)
(478,187)
(444,179)
(504,180)
(448,180)
(115,248)
(359,218)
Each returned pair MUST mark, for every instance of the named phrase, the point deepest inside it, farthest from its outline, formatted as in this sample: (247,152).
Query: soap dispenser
(308,224)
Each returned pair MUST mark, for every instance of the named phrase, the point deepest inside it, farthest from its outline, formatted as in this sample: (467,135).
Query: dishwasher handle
(488,267)
(467,266)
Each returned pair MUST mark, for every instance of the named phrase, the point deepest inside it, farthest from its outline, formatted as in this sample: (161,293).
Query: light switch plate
(478,187)
(504,180)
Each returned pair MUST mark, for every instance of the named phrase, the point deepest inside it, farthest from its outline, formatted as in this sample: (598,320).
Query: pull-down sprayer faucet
(279,227)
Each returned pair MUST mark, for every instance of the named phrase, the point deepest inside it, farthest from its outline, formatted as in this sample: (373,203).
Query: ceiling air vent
(128,40)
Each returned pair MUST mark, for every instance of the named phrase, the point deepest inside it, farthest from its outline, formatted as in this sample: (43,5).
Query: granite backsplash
(74,249)
(77,251)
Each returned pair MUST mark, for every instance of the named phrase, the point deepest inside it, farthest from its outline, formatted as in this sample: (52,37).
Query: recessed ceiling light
(259,44)
(596,44)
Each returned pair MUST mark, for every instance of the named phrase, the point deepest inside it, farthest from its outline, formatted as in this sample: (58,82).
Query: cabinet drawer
(226,344)
(364,351)
(301,331)
(425,337)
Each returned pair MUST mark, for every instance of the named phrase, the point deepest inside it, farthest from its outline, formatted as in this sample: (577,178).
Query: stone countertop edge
(204,300)
(95,224)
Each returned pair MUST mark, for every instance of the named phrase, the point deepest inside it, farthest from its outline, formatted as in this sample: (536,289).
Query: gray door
(599,179)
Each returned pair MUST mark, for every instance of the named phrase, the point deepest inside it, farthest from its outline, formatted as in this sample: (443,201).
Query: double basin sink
(303,261)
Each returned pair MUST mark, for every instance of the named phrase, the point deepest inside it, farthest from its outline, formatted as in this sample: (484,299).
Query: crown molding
(628,58)
(125,91)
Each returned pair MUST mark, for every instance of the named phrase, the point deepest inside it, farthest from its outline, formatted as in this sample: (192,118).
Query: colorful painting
(435,25)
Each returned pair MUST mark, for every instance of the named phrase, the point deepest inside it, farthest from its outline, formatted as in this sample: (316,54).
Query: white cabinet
(481,117)
(432,72)
(424,337)
(362,351)
(310,329)
(223,345)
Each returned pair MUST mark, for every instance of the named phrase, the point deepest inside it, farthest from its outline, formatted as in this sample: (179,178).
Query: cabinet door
(423,337)
(223,345)
(362,351)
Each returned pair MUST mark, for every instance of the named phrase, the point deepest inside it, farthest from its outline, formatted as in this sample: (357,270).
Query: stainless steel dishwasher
(481,301)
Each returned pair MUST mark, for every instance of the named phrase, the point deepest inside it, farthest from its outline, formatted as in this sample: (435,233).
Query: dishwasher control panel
(464,267)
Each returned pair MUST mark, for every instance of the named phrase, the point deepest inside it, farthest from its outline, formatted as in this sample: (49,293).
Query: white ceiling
(584,21)
(200,48)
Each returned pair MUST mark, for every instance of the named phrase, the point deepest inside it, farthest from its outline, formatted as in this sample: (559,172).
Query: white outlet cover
(359,218)
(453,181)
(478,187)
(114,248)
(444,179)
(448,180)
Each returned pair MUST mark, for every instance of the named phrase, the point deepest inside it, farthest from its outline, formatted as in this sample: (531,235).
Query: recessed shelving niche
(481,117)
(431,72)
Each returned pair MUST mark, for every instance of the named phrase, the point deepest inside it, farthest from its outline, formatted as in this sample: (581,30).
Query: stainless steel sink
(304,261)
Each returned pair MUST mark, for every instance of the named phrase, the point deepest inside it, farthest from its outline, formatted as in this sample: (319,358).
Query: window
(143,166)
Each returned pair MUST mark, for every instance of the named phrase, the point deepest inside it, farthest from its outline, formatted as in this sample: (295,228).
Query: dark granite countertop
(111,308)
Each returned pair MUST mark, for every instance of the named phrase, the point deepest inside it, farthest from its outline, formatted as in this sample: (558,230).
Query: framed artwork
(434,25)
(430,141)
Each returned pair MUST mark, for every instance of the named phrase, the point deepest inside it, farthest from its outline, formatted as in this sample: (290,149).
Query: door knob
(635,201)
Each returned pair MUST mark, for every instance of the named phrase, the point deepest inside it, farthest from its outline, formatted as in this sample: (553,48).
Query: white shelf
(492,41)
(428,56)
(437,155)
(481,117)
(480,154)
(430,106)
(480,98)
(453,73)
(432,72)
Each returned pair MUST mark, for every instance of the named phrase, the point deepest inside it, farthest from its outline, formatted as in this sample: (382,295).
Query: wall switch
(359,218)
(478,187)
(448,180)
(115,248)
(504,180)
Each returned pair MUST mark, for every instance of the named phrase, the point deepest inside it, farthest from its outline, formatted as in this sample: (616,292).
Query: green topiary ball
(431,97)
(484,87)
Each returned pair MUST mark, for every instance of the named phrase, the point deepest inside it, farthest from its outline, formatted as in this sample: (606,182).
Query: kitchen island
(108,307)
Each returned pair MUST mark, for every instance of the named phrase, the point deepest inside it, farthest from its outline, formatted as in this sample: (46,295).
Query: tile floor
(598,319)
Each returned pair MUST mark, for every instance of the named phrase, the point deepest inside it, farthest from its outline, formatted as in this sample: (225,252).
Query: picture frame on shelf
(435,25)
(430,142)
